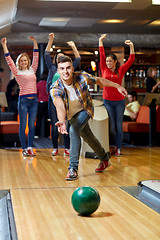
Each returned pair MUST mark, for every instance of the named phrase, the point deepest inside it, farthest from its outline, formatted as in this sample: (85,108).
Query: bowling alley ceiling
(82,22)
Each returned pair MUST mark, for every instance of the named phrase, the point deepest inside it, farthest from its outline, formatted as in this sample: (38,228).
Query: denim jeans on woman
(79,127)
(27,106)
(115,111)
(54,131)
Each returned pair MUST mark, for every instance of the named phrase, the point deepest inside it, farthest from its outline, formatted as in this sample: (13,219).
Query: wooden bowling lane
(43,171)
(41,197)
(48,214)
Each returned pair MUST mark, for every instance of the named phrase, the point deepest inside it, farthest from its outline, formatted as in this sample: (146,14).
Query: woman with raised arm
(114,100)
(52,77)
(25,75)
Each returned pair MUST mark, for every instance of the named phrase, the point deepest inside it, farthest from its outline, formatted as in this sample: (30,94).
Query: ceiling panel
(84,19)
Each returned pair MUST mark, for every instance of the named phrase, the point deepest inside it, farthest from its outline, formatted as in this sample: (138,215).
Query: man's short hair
(133,94)
(62,59)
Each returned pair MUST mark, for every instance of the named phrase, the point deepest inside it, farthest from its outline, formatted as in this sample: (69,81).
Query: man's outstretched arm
(105,82)
(61,114)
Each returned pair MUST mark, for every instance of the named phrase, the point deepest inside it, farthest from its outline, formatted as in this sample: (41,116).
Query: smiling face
(65,69)
(23,63)
(111,63)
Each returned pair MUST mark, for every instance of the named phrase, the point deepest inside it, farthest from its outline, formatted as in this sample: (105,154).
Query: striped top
(80,84)
(26,79)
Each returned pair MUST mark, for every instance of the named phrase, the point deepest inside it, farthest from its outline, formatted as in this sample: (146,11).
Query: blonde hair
(150,70)
(18,60)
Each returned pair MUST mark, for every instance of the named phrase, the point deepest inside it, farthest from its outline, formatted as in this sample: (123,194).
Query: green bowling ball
(85,200)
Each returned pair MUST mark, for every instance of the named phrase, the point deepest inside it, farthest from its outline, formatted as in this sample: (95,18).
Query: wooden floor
(41,197)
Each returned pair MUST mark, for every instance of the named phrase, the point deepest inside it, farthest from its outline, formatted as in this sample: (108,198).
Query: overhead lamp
(112,21)
(156,2)
(118,1)
(155,23)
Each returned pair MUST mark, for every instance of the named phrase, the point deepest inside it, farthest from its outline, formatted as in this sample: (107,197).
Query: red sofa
(9,129)
(139,130)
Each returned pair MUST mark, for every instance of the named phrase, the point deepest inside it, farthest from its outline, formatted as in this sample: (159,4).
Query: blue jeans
(27,106)
(54,132)
(79,127)
(115,111)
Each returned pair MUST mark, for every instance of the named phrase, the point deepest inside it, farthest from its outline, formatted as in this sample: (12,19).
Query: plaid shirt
(80,84)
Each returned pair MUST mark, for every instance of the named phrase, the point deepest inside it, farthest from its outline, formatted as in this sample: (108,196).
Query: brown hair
(18,60)
(150,70)
(64,58)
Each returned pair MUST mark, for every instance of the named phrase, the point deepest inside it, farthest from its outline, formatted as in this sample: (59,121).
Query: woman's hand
(103,36)
(32,38)
(4,45)
(4,41)
(128,42)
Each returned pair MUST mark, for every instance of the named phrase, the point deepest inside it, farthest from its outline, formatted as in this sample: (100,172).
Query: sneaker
(66,152)
(25,152)
(55,152)
(72,175)
(30,152)
(114,151)
(118,153)
(103,165)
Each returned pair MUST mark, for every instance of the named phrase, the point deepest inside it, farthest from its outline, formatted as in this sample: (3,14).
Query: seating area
(9,129)
(138,132)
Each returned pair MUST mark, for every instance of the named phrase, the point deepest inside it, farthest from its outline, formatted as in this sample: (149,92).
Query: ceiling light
(118,1)
(156,23)
(113,21)
(156,2)
(54,22)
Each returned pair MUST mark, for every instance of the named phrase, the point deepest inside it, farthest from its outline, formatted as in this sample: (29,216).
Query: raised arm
(103,36)
(4,45)
(35,53)
(34,40)
(50,42)
(8,58)
(103,64)
(129,43)
(61,114)
(74,48)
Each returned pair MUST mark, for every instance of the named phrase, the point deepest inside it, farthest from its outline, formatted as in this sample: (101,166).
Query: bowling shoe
(118,153)
(103,165)
(30,152)
(54,152)
(66,152)
(114,151)
(25,152)
(72,175)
